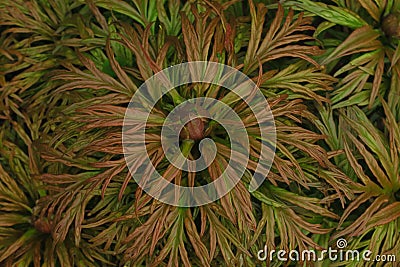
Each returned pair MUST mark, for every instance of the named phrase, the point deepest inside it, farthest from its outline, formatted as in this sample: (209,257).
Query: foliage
(329,70)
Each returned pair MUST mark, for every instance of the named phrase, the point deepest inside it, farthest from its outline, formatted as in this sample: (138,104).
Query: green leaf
(334,14)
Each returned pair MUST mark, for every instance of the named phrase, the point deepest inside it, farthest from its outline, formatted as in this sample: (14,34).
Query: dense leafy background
(330,71)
